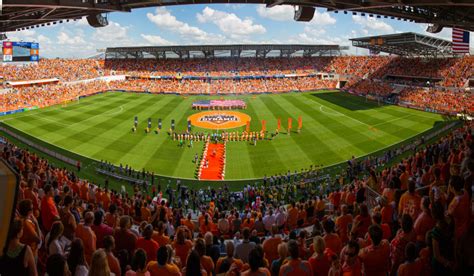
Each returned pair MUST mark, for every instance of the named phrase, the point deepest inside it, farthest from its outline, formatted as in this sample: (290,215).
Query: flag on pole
(300,122)
(279,124)
(264,125)
(290,121)
(247,127)
(460,41)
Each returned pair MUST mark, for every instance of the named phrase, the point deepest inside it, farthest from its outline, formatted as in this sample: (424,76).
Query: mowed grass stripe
(100,132)
(276,147)
(300,148)
(326,132)
(57,120)
(333,109)
(335,102)
(159,157)
(183,156)
(358,133)
(353,103)
(127,143)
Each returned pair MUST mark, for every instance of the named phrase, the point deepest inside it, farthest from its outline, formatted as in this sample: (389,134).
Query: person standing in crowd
(86,234)
(375,258)
(193,265)
(76,260)
(147,243)
(32,235)
(125,239)
(99,265)
(138,265)
(17,258)
(319,262)
(100,228)
(243,249)
(295,266)
(49,212)
(109,246)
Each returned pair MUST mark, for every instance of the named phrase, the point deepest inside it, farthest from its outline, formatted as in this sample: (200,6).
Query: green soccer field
(336,126)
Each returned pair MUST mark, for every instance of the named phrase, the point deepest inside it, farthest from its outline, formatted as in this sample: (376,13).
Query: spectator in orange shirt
(160,236)
(270,245)
(404,235)
(292,216)
(31,194)
(410,202)
(206,261)
(412,266)
(295,266)
(112,217)
(224,263)
(342,223)
(351,265)
(319,262)
(362,221)
(138,264)
(109,246)
(124,238)
(100,228)
(331,239)
(161,267)
(147,243)
(99,264)
(375,258)
(377,219)
(87,235)
(425,221)
(193,266)
(32,235)
(189,223)
(182,245)
(256,262)
(49,212)
(460,206)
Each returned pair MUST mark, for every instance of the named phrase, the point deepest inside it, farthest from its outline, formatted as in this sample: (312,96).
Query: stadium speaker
(434,28)
(304,14)
(97,20)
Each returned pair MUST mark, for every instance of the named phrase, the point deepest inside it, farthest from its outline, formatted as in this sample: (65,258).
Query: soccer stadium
(219,147)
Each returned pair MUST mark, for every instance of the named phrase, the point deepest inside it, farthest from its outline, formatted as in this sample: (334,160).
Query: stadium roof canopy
(405,44)
(19,14)
(210,51)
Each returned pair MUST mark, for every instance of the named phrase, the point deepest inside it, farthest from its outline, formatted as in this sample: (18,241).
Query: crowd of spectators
(420,224)
(364,74)
(438,100)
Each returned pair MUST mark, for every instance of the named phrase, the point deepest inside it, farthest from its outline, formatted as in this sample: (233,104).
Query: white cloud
(276,13)
(155,40)
(375,25)
(165,20)
(230,23)
(322,19)
(113,33)
(66,39)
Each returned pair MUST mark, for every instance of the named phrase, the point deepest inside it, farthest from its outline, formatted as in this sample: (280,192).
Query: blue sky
(210,24)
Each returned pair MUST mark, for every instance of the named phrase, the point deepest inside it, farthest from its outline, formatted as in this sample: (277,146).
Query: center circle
(219,119)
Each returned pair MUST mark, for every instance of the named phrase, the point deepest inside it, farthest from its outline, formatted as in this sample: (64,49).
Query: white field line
(342,114)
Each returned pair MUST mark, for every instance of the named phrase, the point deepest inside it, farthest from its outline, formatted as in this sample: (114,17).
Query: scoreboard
(20,51)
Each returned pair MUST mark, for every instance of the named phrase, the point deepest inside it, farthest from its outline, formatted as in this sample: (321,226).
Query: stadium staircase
(215,169)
